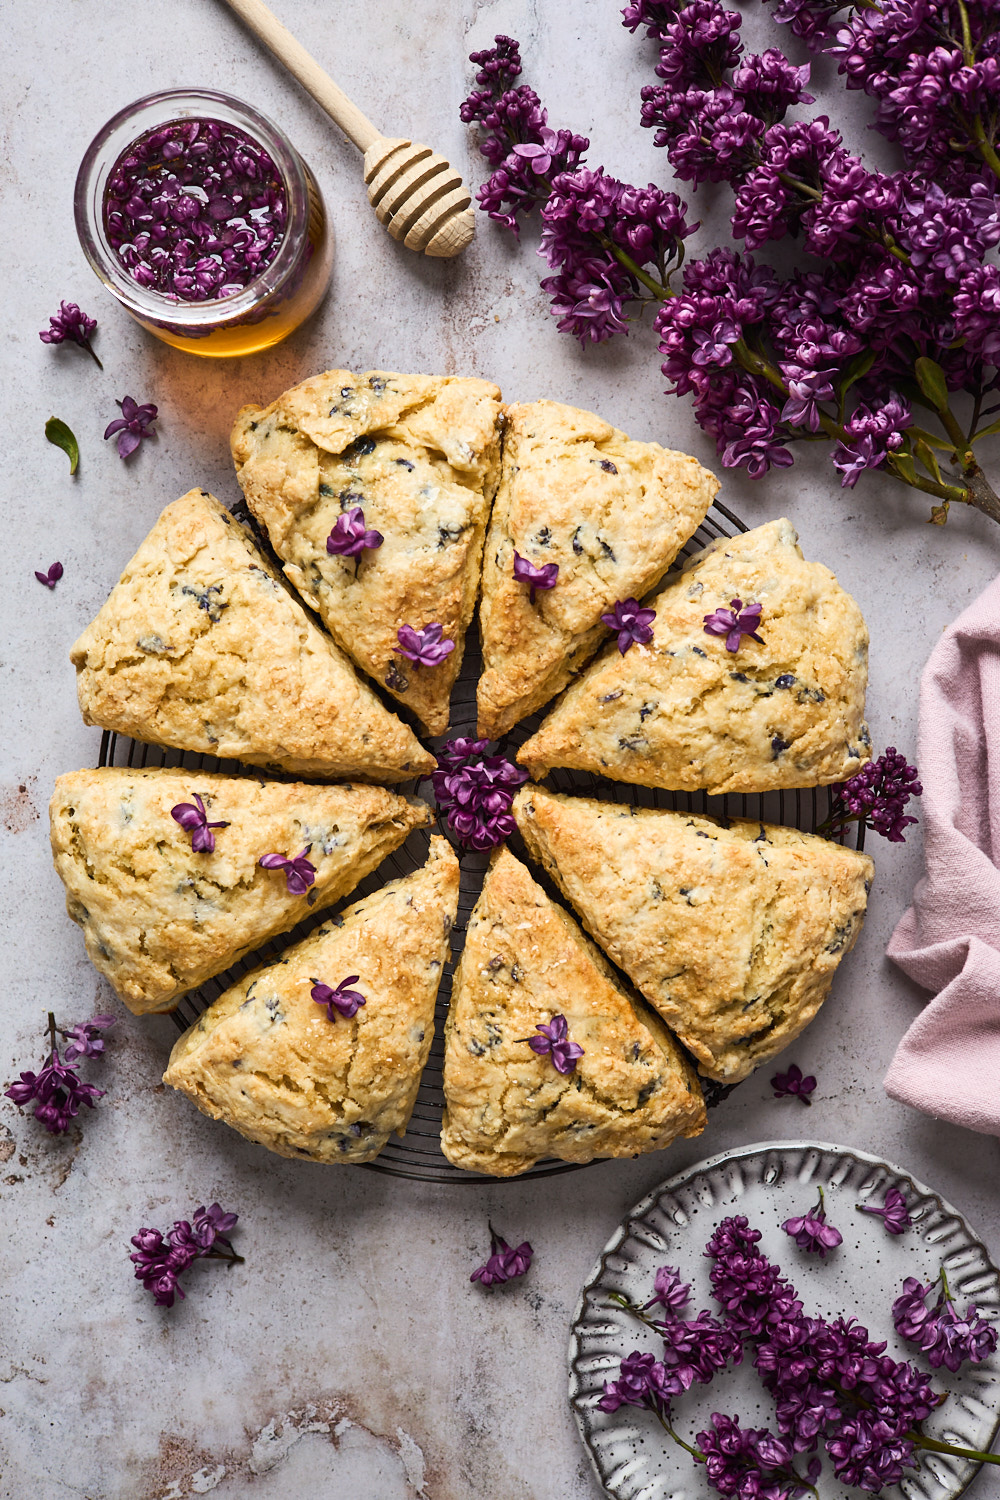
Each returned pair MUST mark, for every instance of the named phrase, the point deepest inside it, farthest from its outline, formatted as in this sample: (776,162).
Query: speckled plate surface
(633,1457)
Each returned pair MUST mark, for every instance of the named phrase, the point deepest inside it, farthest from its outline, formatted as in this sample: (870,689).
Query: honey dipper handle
(266,26)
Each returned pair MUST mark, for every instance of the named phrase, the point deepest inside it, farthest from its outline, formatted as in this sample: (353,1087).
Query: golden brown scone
(159,918)
(202,647)
(266,1058)
(684,712)
(419,454)
(610,512)
(733,934)
(525,961)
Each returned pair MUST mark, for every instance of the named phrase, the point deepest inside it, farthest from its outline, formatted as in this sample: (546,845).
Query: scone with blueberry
(768,691)
(319,1055)
(732,933)
(614,1084)
(162,868)
(585,518)
(374,491)
(201,647)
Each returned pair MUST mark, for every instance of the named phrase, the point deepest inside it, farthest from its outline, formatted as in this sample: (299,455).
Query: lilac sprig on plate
(58,1091)
(505,1262)
(876,797)
(474,791)
(893,1213)
(940,1332)
(160,1260)
(71,326)
(132,426)
(811,1231)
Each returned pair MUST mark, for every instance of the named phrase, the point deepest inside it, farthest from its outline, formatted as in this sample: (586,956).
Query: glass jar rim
(147,113)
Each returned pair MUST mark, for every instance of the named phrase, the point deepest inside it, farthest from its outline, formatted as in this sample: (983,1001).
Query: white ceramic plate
(633,1457)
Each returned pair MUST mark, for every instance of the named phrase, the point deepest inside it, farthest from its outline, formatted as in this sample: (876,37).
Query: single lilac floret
(132,426)
(669,1291)
(85,1040)
(545,577)
(505,1263)
(893,1213)
(811,1231)
(71,325)
(425,648)
(300,873)
(793,1085)
(52,577)
(734,623)
(342,1001)
(193,817)
(633,623)
(350,537)
(554,1042)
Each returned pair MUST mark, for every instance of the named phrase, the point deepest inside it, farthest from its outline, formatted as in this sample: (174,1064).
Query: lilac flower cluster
(811,1231)
(160,1260)
(945,1337)
(475,791)
(58,1091)
(877,797)
(505,1262)
(71,325)
(195,210)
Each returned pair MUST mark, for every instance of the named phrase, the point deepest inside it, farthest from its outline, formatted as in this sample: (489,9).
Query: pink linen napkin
(948,1063)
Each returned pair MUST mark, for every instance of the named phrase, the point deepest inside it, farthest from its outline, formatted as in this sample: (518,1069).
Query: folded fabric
(948,1063)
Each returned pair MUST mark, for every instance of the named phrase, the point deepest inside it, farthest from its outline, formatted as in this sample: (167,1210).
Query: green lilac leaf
(904,465)
(858,367)
(930,378)
(62,436)
(927,457)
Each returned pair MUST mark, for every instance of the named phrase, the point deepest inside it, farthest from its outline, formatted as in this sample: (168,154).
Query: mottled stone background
(349,1358)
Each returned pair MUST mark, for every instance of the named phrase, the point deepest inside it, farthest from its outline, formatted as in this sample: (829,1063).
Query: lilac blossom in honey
(195,210)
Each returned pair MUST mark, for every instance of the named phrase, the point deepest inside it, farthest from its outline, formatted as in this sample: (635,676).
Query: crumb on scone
(732,934)
(419,455)
(201,647)
(684,712)
(268,1060)
(158,917)
(526,960)
(611,513)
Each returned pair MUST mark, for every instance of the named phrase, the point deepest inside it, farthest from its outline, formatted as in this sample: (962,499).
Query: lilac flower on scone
(132,426)
(343,1001)
(52,576)
(505,1262)
(71,325)
(475,791)
(554,1042)
(545,577)
(893,1213)
(193,817)
(633,623)
(734,623)
(811,1231)
(300,873)
(793,1085)
(350,537)
(424,648)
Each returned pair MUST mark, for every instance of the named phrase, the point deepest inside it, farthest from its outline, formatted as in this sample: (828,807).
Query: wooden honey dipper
(415,193)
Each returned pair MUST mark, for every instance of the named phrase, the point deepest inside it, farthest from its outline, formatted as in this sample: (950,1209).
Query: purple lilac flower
(877,796)
(85,1040)
(71,325)
(342,1001)
(59,1091)
(633,624)
(300,873)
(868,1452)
(52,577)
(893,1213)
(132,426)
(554,1042)
(350,537)
(734,623)
(737,1459)
(545,577)
(504,1263)
(696,1349)
(793,1085)
(811,1231)
(159,1261)
(193,817)
(642,1381)
(874,435)
(945,1337)
(669,1291)
(425,648)
(475,791)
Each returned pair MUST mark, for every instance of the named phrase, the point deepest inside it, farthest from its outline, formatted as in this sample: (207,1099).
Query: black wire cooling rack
(418,1155)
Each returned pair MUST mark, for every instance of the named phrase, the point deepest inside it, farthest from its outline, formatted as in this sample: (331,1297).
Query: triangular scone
(684,712)
(610,512)
(733,934)
(159,918)
(419,454)
(200,646)
(267,1060)
(525,961)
